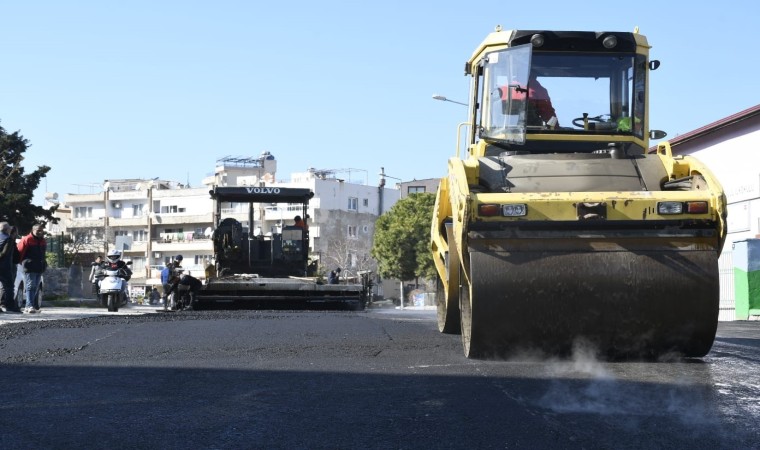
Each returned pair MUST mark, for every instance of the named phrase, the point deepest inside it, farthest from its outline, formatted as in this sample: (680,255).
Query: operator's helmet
(178,258)
(113,256)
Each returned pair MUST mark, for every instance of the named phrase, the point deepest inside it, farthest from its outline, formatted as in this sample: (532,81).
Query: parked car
(18,286)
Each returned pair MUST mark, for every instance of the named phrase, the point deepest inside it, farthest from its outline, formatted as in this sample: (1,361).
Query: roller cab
(556,228)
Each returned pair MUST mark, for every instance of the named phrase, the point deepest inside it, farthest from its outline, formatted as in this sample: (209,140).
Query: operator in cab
(540,111)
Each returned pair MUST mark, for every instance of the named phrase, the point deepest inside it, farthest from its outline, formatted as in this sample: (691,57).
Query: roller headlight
(514,210)
(508,210)
(669,208)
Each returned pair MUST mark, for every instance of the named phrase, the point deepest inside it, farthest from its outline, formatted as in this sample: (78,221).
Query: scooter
(112,288)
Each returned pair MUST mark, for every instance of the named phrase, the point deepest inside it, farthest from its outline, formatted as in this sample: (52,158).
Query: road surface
(334,379)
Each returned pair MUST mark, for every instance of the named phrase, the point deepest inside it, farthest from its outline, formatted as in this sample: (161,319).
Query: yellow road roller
(556,226)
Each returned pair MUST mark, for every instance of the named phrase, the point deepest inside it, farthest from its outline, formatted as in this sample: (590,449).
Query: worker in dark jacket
(7,272)
(334,276)
(32,253)
(184,282)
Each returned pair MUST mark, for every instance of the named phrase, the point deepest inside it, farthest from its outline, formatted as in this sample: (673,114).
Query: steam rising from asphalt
(585,385)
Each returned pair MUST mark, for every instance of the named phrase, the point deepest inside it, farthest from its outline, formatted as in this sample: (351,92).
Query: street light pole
(444,99)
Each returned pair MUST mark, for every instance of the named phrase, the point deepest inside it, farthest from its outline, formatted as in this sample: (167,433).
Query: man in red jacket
(32,252)
(539,109)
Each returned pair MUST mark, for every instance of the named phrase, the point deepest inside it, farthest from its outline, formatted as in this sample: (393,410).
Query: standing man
(166,275)
(95,268)
(7,278)
(32,248)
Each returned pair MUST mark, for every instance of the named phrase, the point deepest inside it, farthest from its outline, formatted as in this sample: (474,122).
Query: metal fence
(727,297)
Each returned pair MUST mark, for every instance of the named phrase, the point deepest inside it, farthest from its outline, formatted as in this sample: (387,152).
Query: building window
(203,260)
(137,210)
(353,204)
(415,190)
(82,212)
(352,231)
(82,237)
(138,265)
(168,209)
(365,202)
(121,233)
(141,235)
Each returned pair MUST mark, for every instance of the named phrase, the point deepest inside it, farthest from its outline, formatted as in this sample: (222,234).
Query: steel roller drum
(623,304)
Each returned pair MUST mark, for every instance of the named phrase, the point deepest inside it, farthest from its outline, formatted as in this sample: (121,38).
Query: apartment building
(150,221)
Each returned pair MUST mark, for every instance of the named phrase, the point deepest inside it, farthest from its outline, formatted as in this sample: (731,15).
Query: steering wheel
(579,121)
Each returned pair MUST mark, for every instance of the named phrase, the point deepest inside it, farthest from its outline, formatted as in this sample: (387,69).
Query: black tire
(20,299)
(471,349)
(111,303)
(449,320)
(447,300)
(465,316)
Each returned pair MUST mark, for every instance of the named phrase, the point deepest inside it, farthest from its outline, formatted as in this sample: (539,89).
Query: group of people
(29,252)
(172,278)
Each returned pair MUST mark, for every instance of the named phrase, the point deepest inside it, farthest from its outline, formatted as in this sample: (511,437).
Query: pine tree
(17,188)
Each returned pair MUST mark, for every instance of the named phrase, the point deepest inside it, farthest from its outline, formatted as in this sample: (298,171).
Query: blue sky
(146,89)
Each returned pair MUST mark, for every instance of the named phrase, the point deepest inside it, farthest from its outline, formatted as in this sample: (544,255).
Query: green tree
(17,188)
(402,239)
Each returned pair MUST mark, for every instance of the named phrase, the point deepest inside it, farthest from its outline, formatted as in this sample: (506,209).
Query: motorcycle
(112,287)
(180,298)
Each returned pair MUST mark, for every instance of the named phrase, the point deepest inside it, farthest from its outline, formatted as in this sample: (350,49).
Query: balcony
(181,237)
(201,193)
(178,246)
(86,223)
(128,221)
(73,199)
(127,195)
(179,219)
(137,247)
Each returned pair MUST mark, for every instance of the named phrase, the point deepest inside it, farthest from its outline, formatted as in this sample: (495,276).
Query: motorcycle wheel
(112,305)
